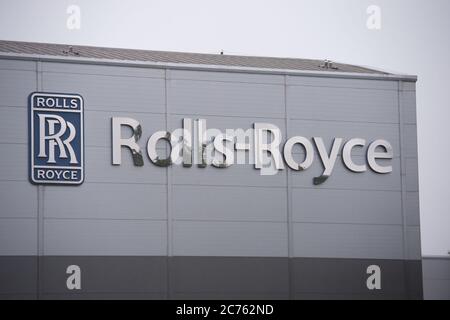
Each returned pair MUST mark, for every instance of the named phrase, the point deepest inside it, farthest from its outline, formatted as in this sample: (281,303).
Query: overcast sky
(414,39)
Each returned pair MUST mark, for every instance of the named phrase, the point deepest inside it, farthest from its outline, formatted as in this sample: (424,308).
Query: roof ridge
(99,52)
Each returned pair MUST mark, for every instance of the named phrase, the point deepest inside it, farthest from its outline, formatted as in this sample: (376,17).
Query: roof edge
(203,67)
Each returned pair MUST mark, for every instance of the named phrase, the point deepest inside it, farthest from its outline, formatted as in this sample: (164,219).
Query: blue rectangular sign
(56,138)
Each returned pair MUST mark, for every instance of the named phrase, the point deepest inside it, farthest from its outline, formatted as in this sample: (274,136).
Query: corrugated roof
(61,50)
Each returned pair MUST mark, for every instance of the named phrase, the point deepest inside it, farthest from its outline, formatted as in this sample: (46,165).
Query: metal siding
(128,210)
(345,130)
(346,206)
(225,122)
(226,77)
(18,199)
(14,162)
(111,201)
(18,237)
(230,203)
(412,174)
(410,137)
(104,237)
(412,209)
(10,132)
(436,278)
(90,69)
(226,98)
(409,107)
(248,239)
(15,86)
(342,104)
(7,64)
(110,93)
(98,168)
(342,178)
(341,83)
(98,128)
(414,251)
(237,175)
(357,241)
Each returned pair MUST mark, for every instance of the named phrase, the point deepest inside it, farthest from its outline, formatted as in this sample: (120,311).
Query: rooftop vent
(71,51)
(328,64)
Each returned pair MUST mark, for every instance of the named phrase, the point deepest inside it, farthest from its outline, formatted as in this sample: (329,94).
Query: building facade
(140,230)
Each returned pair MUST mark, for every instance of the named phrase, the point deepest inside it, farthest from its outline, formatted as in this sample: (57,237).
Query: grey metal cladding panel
(248,239)
(105,296)
(105,274)
(18,199)
(438,269)
(235,175)
(342,104)
(414,251)
(412,174)
(14,162)
(110,93)
(347,130)
(98,127)
(18,237)
(436,278)
(105,237)
(348,296)
(11,64)
(224,122)
(111,201)
(349,277)
(233,276)
(107,70)
(341,82)
(229,203)
(408,86)
(412,209)
(436,289)
(226,98)
(16,86)
(226,76)
(18,276)
(323,240)
(346,206)
(408,104)
(410,140)
(13,125)
(98,168)
(342,178)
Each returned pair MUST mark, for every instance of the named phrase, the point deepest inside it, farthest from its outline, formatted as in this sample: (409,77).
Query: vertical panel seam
(169,235)
(402,169)
(402,180)
(40,208)
(289,203)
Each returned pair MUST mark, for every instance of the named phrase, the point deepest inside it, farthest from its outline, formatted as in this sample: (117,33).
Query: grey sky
(414,39)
